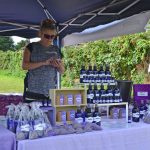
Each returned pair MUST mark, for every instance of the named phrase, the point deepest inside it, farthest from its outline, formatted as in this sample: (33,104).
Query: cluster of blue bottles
(92,75)
(137,112)
(88,116)
(99,96)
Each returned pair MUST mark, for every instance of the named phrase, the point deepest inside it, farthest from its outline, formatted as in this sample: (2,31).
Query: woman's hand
(58,63)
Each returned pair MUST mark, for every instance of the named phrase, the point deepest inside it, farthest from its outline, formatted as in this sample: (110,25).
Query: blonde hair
(48,24)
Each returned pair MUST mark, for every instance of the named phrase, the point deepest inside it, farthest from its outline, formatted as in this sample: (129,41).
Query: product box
(141,92)
(61,116)
(60,100)
(71,115)
(77,99)
(114,113)
(122,113)
(68,99)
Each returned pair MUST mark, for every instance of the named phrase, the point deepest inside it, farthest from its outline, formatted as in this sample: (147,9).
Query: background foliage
(128,57)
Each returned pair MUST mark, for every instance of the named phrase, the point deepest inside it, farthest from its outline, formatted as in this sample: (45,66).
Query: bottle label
(108,75)
(79,120)
(81,76)
(89,96)
(136,115)
(97,94)
(100,101)
(25,127)
(117,94)
(102,95)
(94,101)
(142,112)
(97,119)
(89,119)
(110,94)
(92,95)
(120,100)
(38,127)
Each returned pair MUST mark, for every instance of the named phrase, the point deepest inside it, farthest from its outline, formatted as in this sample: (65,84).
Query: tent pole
(47,13)
(58,74)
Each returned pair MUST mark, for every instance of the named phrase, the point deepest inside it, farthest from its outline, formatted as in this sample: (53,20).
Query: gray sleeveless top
(41,79)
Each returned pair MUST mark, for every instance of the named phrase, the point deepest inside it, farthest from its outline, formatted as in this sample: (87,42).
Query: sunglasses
(47,36)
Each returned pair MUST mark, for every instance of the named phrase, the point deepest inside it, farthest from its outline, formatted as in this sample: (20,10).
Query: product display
(72,98)
(92,75)
(27,121)
(109,94)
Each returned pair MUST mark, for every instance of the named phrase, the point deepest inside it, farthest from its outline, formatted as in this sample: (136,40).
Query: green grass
(11,84)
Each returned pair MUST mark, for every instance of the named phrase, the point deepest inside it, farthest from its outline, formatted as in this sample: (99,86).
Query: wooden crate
(55,93)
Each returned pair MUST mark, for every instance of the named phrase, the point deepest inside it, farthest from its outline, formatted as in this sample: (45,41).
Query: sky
(17,39)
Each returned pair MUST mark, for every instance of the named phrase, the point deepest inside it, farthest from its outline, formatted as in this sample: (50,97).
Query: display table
(134,136)
(7,139)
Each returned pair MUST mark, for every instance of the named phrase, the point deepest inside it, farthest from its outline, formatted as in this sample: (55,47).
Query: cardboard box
(60,100)
(61,116)
(68,99)
(141,92)
(77,99)
(71,115)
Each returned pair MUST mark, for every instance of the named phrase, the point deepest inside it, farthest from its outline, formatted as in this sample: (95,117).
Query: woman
(42,60)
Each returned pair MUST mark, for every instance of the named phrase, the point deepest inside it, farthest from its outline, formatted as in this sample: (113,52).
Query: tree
(20,45)
(6,43)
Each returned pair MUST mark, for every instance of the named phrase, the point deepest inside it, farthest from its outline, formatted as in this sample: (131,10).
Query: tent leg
(58,74)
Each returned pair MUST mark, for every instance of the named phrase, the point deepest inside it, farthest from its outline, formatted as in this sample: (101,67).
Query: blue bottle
(107,71)
(90,73)
(101,74)
(90,94)
(130,113)
(142,109)
(79,115)
(102,93)
(116,93)
(82,74)
(96,91)
(109,91)
(135,113)
(88,115)
(97,116)
(95,72)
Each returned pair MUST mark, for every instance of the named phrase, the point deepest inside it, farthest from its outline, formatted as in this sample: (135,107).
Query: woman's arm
(61,67)
(27,65)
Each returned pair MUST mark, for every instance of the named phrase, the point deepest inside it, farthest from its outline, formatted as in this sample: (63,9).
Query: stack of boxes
(67,100)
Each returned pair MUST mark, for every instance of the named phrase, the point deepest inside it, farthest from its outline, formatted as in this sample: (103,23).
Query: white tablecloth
(134,136)
(7,139)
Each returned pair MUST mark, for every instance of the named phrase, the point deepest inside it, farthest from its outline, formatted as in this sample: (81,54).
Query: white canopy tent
(129,25)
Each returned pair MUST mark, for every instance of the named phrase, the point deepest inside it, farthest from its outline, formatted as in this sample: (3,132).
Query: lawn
(11,84)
